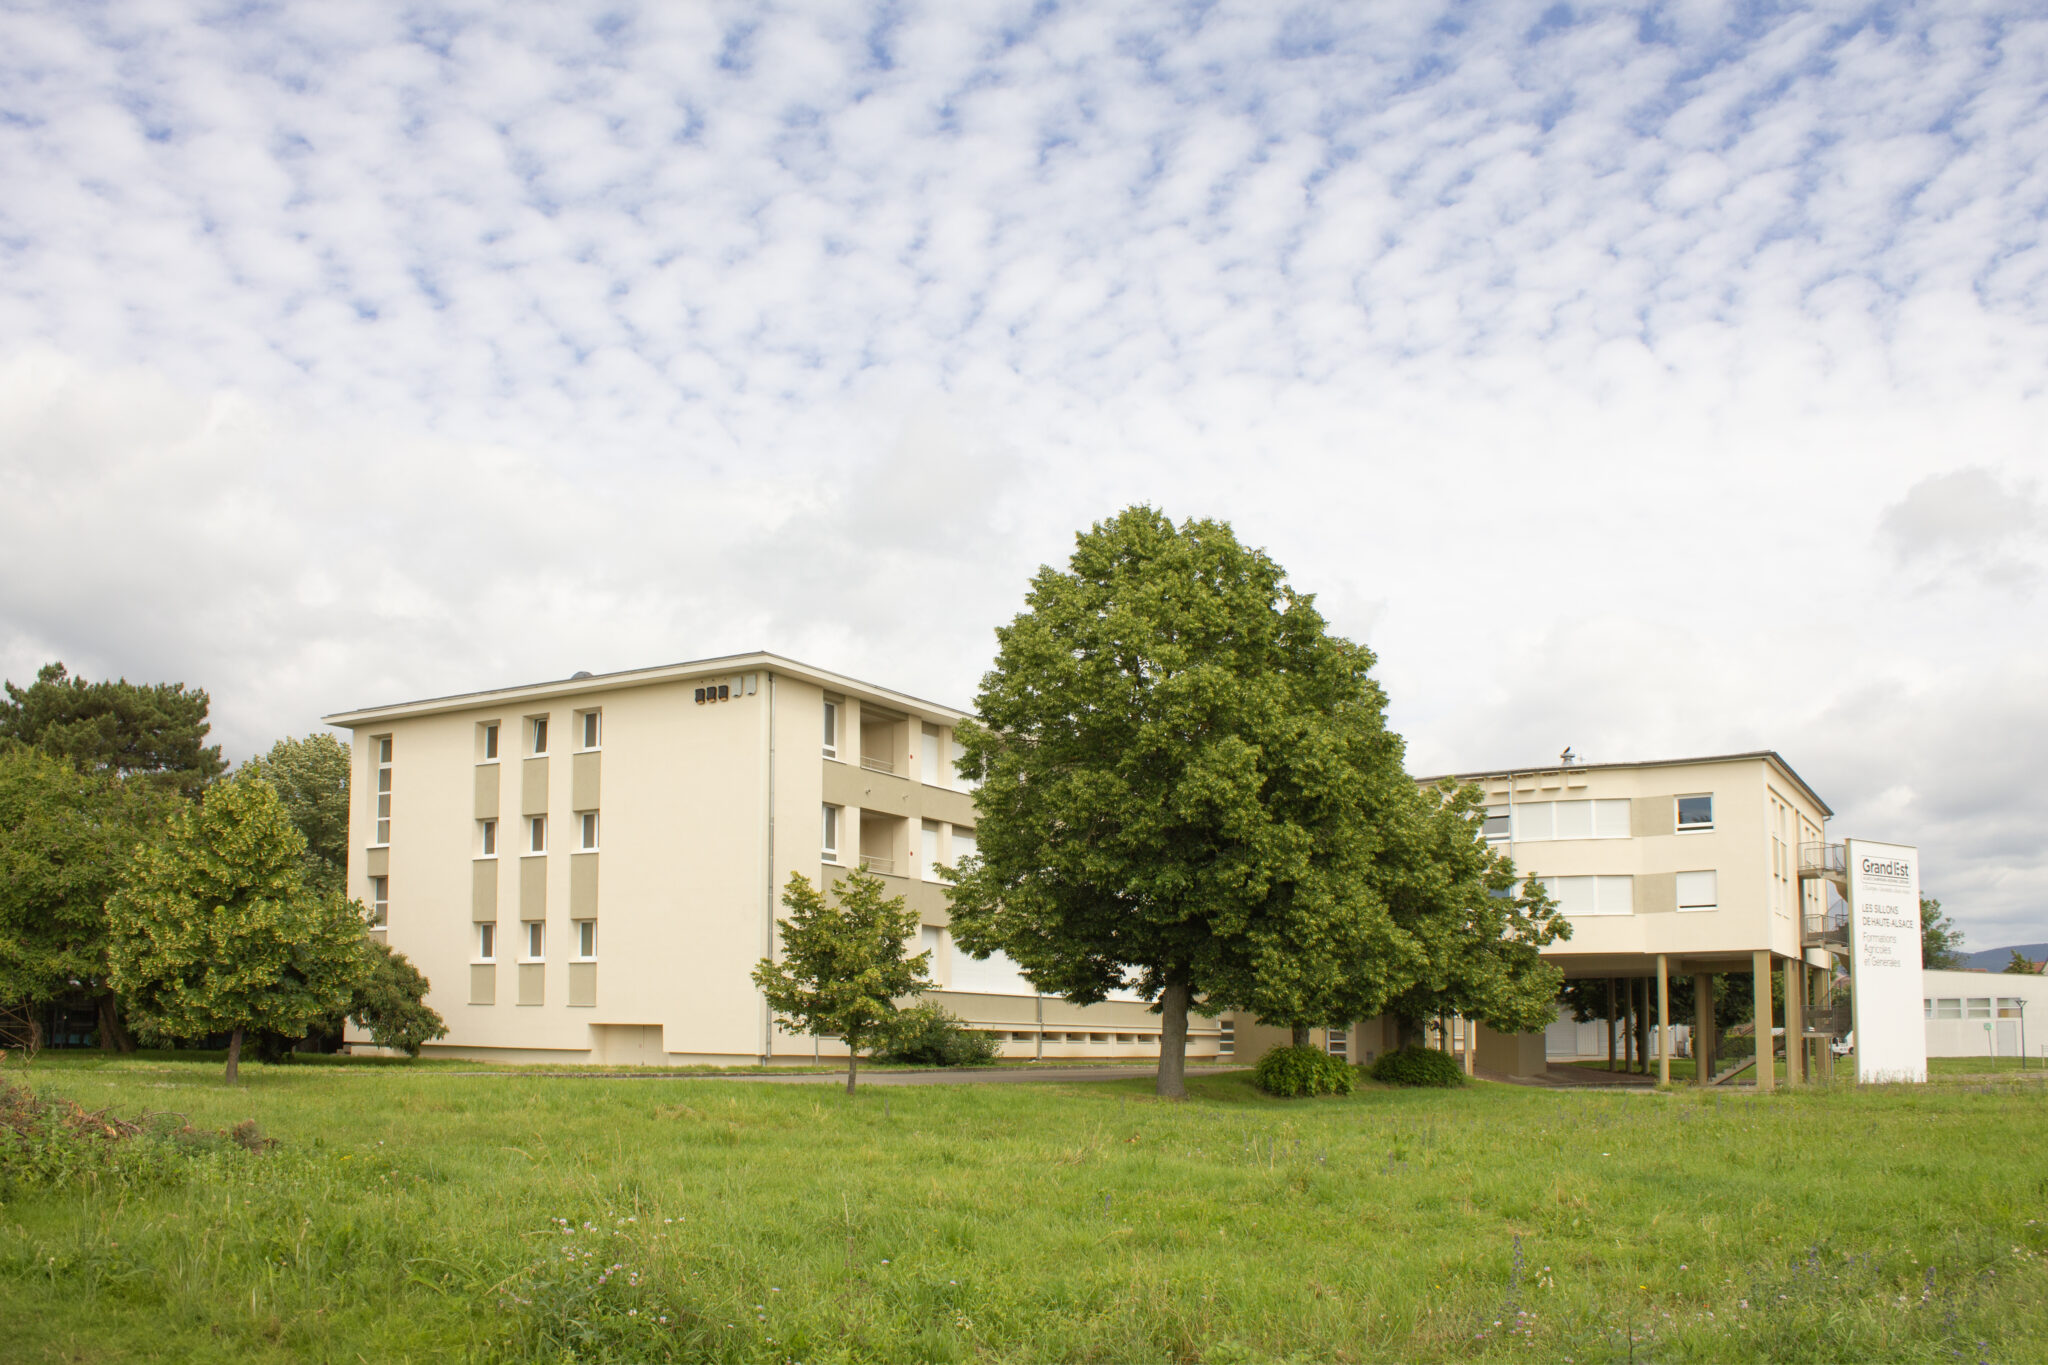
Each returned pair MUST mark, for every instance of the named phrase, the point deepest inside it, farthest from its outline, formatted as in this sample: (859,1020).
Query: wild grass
(407,1214)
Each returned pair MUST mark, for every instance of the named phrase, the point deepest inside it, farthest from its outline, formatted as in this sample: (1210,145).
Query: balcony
(874,763)
(1828,929)
(878,862)
(1825,863)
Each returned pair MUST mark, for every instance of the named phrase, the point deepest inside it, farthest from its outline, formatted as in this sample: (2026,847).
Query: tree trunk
(1300,1038)
(234,1056)
(1407,1033)
(35,1032)
(1173,1041)
(114,1037)
(852,1066)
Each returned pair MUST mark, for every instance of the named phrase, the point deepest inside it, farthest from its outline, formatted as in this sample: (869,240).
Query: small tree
(214,930)
(843,966)
(390,1002)
(2021,965)
(1941,942)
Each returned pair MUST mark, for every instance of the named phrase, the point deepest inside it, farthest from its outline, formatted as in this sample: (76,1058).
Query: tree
(390,1002)
(1185,786)
(154,730)
(843,966)
(311,776)
(2020,965)
(214,930)
(66,840)
(1941,942)
(1480,936)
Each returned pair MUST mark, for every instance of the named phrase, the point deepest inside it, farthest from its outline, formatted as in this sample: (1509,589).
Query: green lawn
(409,1214)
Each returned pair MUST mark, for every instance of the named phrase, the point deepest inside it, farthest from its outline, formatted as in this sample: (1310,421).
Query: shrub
(926,1035)
(1418,1066)
(1295,1072)
(47,1142)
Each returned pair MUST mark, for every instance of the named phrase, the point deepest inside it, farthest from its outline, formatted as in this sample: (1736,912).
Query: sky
(1656,380)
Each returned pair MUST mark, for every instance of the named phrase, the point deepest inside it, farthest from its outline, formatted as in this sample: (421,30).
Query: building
(588,869)
(1986,1014)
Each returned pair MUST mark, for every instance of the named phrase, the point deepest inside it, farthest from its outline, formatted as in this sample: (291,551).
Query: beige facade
(588,870)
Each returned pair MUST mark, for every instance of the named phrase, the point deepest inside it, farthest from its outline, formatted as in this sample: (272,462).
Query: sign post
(1884,936)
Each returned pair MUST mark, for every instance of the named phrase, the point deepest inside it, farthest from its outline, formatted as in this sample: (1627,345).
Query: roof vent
(581,673)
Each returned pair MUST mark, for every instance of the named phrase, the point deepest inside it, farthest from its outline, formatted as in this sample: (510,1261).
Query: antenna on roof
(1567,757)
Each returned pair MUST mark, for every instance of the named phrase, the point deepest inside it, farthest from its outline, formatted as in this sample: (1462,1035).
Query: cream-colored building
(587,870)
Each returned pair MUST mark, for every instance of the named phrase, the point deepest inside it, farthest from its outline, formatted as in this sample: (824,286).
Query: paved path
(1004,1075)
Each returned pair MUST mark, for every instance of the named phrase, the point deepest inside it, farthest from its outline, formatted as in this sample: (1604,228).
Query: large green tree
(1941,941)
(153,730)
(66,840)
(311,776)
(215,931)
(1187,787)
(845,962)
(1478,934)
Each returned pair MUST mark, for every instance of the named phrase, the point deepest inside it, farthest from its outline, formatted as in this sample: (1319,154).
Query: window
(929,851)
(540,734)
(831,841)
(963,845)
(928,754)
(1928,1007)
(487,837)
(1591,895)
(831,729)
(1497,822)
(928,941)
(536,939)
(1226,1037)
(1695,812)
(491,742)
(486,942)
(586,939)
(1536,821)
(1948,1009)
(590,729)
(1337,1041)
(2010,1006)
(1980,1007)
(590,831)
(1698,891)
(537,834)
(380,902)
(384,789)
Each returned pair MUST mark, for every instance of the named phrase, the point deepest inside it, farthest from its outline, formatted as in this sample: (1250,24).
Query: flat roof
(643,677)
(1768,755)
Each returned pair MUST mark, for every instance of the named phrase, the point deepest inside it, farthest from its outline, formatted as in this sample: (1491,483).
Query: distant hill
(1994,959)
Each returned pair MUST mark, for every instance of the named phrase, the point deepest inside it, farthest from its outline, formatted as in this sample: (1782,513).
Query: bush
(1418,1066)
(48,1142)
(1296,1072)
(926,1035)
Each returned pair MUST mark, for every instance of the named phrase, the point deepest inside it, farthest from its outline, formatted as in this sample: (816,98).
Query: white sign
(1884,935)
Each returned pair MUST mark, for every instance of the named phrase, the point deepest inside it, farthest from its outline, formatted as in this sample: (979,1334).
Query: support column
(1610,1023)
(1703,1028)
(1663,1020)
(1643,1023)
(1794,973)
(1628,1025)
(1766,1067)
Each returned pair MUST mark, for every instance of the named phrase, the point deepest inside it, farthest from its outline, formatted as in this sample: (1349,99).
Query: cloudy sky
(1656,380)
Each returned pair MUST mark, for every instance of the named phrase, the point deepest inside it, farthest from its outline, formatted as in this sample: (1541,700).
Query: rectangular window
(1226,1038)
(1537,821)
(1980,1007)
(2010,1007)
(486,942)
(1585,896)
(928,941)
(1948,1009)
(1699,891)
(928,851)
(586,939)
(831,729)
(487,837)
(1534,822)
(1610,819)
(537,834)
(384,789)
(380,901)
(491,742)
(1497,822)
(1337,1040)
(928,754)
(963,845)
(1695,812)
(536,939)
(1573,820)
(539,734)
(590,831)
(590,729)
(831,839)
(1928,1007)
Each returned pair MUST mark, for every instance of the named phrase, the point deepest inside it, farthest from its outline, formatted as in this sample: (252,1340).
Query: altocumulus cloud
(1655,379)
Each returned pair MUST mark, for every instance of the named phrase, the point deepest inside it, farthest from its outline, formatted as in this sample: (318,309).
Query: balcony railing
(1824,862)
(876,862)
(877,765)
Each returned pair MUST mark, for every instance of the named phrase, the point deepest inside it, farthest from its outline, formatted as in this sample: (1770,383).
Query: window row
(533,941)
(587,726)
(1975,1007)
(536,835)
(1697,891)
(1531,822)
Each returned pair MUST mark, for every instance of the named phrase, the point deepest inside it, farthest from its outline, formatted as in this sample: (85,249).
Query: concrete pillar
(1610,1023)
(1663,1021)
(1642,1004)
(1794,973)
(1628,1025)
(1702,1028)
(1760,974)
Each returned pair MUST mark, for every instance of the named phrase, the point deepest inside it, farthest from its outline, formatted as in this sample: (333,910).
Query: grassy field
(409,1214)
